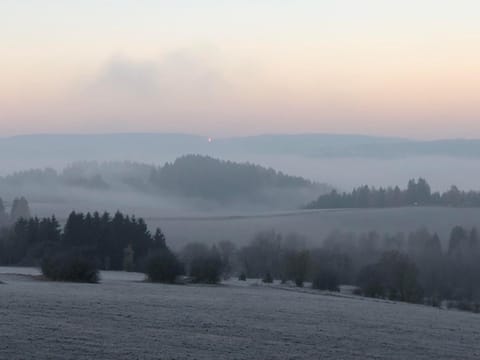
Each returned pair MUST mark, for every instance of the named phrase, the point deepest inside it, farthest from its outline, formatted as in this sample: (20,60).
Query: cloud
(181,77)
(125,75)
(182,91)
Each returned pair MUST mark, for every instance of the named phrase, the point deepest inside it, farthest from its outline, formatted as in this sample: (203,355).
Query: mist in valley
(343,161)
(120,178)
(239,180)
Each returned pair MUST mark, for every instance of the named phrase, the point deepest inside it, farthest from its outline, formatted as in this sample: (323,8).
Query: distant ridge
(51,149)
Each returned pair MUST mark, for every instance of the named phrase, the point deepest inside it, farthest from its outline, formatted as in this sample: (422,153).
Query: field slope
(124,318)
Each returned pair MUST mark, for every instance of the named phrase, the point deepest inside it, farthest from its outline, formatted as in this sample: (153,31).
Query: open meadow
(126,318)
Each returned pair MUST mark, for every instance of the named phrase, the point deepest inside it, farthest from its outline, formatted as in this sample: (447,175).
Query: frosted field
(124,318)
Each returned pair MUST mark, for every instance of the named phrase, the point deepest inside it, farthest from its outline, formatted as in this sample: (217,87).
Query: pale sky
(240,67)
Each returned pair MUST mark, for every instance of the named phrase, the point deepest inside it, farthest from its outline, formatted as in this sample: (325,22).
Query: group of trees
(114,242)
(208,178)
(201,264)
(71,176)
(272,256)
(412,268)
(92,242)
(417,193)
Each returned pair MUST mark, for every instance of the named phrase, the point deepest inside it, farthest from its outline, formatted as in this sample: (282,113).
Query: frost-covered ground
(125,318)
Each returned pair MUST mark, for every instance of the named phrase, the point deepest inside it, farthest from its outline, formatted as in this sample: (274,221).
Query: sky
(241,67)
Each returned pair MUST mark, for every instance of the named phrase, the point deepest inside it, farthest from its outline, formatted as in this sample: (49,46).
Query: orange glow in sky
(380,67)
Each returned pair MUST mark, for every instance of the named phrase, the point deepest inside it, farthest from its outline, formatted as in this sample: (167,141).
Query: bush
(163,267)
(70,267)
(326,280)
(242,277)
(206,267)
(268,279)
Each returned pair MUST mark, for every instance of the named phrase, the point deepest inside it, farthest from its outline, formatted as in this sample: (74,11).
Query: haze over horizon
(240,179)
(209,138)
(385,68)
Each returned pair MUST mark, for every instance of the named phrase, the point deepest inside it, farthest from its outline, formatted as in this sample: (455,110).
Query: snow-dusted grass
(19,270)
(126,318)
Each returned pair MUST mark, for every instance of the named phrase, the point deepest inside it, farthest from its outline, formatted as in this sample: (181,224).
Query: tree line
(113,242)
(417,193)
(195,176)
(91,242)
(414,267)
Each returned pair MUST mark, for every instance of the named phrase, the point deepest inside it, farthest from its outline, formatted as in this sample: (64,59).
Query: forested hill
(188,177)
(206,177)
(417,193)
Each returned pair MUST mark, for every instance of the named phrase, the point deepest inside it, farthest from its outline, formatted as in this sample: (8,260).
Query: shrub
(70,267)
(326,280)
(163,267)
(268,279)
(206,267)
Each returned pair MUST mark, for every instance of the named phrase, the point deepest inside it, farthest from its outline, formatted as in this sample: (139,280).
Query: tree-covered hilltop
(190,176)
(209,178)
(417,193)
